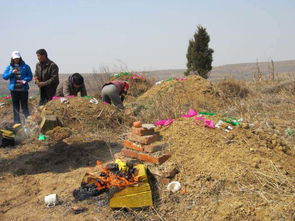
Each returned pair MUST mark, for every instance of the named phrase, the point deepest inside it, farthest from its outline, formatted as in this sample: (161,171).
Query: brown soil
(245,174)
(59,133)
(137,86)
(237,175)
(172,98)
(80,114)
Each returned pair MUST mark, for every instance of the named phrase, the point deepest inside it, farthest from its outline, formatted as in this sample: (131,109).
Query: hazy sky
(83,35)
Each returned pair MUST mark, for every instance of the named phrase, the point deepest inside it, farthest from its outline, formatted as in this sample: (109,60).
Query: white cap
(15,54)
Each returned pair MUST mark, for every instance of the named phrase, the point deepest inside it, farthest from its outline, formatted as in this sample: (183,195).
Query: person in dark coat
(46,76)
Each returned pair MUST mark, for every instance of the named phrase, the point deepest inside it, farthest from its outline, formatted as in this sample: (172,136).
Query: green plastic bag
(234,123)
(42,137)
(208,114)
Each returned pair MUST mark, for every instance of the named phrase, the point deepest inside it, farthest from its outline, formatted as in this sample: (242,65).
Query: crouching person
(72,86)
(114,92)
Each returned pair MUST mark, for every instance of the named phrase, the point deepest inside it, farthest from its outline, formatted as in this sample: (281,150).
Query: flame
(106,179)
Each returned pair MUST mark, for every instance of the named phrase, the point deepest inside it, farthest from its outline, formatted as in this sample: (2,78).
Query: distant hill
(245,70)
(242,71)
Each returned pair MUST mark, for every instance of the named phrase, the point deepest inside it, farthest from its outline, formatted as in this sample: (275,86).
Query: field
(247,173)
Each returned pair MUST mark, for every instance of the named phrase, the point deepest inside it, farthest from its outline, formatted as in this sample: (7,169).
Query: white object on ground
(159,82)
(93,101)
(51,200)
(219,123)
(148,126)
(174,186)
(63,100)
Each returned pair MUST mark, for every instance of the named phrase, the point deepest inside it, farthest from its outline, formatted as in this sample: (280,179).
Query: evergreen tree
(199,55)
(189,56)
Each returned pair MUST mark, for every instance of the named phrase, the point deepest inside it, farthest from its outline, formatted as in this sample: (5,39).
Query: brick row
(146,157)
(151,148)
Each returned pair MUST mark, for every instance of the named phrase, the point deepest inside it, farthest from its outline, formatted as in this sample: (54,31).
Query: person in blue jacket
(19,74)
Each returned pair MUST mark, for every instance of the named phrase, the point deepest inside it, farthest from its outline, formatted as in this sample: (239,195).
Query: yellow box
(134,196)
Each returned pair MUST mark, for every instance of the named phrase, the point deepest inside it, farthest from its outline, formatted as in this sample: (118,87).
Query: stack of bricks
(145,145)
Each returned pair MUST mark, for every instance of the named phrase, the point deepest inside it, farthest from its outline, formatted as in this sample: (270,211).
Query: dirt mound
(243,174)
(59,133)
(138,83)
(78,113)
(171,98)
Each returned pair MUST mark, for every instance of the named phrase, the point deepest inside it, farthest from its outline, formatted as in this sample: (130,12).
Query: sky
(143,35)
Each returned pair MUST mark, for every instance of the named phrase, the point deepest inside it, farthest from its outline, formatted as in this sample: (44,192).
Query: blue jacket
(26,75)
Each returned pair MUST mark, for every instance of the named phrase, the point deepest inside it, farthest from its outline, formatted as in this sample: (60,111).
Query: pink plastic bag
(207,123)
(180,79)
(70,96)
(190,113)
(55,97)
(7,97)
(164,122)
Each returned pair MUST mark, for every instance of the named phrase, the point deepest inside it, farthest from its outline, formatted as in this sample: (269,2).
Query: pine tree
(199,55)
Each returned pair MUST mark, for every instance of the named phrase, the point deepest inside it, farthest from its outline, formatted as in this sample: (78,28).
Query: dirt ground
(245,174)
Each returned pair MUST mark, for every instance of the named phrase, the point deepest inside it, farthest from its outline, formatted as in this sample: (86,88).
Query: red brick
(153,159)
(154,147)
(142,131)
(136,124)
(151,148)
(144,139)
(131,145)
(145,157)
(129,153)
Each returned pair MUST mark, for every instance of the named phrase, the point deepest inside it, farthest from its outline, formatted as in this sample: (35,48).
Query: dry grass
(232,88)
(173,98)
(285,87)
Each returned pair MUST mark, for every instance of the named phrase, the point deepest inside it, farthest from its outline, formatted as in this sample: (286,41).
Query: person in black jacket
(46,77)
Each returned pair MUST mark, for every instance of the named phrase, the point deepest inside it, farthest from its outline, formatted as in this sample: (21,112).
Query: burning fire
(112,175)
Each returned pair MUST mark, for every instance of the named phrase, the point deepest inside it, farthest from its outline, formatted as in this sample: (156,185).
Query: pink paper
(55,97)
(164,122)
(207,123)
(190,113)
(136,76)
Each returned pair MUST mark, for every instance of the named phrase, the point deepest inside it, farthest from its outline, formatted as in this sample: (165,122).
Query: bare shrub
(288,87)
(234,89)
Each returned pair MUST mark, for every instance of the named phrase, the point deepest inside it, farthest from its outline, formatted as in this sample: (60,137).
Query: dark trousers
(20,98)
(44,97)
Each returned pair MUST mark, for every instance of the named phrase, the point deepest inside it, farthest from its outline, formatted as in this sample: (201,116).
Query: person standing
(46,76)
(72,86)
(19,74)
(115,92)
